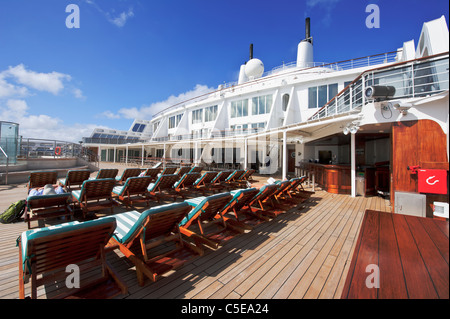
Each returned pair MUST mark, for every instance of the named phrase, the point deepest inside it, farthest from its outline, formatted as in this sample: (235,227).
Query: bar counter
(332,178)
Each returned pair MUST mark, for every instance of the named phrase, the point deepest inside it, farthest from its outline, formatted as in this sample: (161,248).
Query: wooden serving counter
(334,179)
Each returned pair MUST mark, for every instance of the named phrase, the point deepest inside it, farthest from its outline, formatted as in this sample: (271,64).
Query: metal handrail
(7,164)
(340,65)
(345,98)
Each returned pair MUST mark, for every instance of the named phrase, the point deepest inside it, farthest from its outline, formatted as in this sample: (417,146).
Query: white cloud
(17,83)
(118,20)
(78,94)
(51,82)
(147,111)
(17,111)
(43,126)
(109,115)
(8,90)
(325,6)
(121,19)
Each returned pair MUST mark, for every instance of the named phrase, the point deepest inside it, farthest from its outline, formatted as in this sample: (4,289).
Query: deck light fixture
(352,128)
(402,107)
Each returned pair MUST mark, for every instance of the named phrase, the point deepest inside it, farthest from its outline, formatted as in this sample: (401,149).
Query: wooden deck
(304,253)
(410,254)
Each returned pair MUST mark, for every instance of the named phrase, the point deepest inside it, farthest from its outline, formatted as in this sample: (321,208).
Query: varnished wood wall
(421,143)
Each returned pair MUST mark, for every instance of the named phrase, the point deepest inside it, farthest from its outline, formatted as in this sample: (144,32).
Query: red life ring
(58,150)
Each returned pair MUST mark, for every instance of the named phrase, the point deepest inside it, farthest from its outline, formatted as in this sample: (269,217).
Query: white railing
(335,66)
(414,78)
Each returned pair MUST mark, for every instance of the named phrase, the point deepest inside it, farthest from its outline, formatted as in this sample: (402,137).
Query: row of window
(260,105)
(318,96)
(245,127)
(119,137)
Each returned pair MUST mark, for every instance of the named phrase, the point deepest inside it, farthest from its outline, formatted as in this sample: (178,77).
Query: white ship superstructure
(301,112)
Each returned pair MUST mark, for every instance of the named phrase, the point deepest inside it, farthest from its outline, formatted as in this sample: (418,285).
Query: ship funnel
(305,48)
(307,29)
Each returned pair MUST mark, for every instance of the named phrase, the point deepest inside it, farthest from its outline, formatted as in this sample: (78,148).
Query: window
(239,108)
(155,126)
(261,104)
(138,127)
(211,113)
(322,97)
(172,122)
(332,91)
(175,120)
(257,127)
(318,96)
(312,97)
(179,116)
(285,102)
(197,116)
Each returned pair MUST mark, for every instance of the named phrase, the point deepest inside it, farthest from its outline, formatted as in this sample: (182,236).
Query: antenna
(251,51)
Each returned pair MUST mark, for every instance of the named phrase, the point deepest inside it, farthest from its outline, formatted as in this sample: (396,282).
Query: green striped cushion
(130,223)
(33,234)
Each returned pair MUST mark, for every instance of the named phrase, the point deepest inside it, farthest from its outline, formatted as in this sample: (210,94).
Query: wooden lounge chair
(41,178)
(92,192)
(163,187)
(152,172)
(169,170)
(239,207)
(138,234)
(186,183)
(107,173)
(196,169)
(45,253)
(134,189)
(232,181)
(74,179)
(247,176)
(295,192)
(219,181)
(299,190)
(43,207)
(205,224)
(280,199)
(183,170)
(204,183)
(262,204)
(128,172)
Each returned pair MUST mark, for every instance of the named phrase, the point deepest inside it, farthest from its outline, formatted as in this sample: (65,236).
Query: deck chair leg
(21,281)
(143,248)
(33,282)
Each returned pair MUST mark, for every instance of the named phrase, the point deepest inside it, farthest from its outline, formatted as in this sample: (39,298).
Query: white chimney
(305,58)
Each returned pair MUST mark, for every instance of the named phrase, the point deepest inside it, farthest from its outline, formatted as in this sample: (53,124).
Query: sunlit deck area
(304,253)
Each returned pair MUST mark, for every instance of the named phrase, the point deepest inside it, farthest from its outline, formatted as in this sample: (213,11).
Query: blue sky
(131,58)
